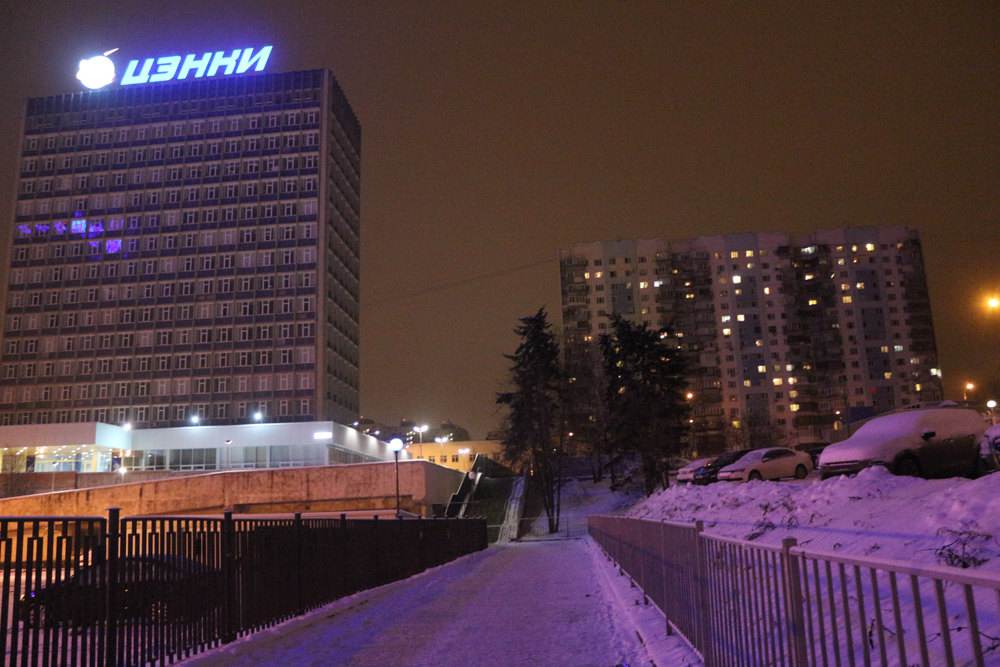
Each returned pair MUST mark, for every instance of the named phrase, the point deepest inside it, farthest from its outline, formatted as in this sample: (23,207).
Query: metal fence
(99,592)
(738,603)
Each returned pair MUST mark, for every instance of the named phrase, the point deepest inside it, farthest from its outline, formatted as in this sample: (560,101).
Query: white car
(769,463)
(686,474)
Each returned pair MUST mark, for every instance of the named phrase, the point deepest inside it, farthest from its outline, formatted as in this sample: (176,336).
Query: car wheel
(908,466)
(754,476)
(800,472)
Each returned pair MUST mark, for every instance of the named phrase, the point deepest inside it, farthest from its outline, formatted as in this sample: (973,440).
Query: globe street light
(968,387)
(396,445)
(992,405)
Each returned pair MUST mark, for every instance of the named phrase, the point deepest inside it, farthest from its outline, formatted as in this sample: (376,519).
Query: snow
(874,513)
(543,603)
(563,603)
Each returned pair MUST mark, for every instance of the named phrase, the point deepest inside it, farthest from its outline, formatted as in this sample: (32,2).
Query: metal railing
(739,603)
(152,590)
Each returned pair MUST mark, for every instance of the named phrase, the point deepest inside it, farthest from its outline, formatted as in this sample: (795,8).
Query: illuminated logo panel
(165,68)
(99,71)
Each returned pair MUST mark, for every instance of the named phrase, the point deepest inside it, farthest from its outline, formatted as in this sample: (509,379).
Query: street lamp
(420,430)
(992,405)
(396,445)
(257,416)
(195,419)
(968,387)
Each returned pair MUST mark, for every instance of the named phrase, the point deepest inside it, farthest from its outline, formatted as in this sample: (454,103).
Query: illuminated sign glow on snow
(99,71)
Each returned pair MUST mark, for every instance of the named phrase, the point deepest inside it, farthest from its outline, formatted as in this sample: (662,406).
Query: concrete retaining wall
(361,486)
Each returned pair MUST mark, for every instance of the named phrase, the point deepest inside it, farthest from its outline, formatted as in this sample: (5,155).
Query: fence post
(794,616)
(231,614)
(663,575)
(378,564)
(704,596)
(111,569)
(297,526)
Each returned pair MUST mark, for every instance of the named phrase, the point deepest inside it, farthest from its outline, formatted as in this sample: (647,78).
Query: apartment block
(809,332)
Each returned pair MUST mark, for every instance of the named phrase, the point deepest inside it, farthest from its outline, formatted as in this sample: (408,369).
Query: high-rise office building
(186,250)
(805,333)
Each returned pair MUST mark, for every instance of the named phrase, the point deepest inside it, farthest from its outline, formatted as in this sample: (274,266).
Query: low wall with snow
(360,486)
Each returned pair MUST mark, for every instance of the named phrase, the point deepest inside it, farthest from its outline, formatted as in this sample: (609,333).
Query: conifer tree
(534,434)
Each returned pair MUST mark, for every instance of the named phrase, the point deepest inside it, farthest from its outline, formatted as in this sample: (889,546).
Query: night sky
(495,133)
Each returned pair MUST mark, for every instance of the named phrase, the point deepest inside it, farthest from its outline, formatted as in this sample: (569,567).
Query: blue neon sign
(99,71)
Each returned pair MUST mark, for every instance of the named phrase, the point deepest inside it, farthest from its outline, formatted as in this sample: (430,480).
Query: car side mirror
(927,435)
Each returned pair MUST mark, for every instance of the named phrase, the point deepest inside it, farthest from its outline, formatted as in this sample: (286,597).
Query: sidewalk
(540,604)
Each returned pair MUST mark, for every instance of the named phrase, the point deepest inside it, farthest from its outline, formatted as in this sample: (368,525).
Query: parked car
(154,588)
(936,442)
(676,463)
(989,449)
(710,472)
(769,463)
(686,474)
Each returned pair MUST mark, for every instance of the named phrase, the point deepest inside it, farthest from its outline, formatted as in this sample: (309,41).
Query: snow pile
(947,522)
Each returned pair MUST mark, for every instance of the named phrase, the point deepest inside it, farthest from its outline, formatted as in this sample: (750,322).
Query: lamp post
(420,430)
(968,387)
(396,445)
(992,405)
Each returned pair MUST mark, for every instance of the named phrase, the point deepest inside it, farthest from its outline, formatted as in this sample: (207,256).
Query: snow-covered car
(686,474)
(936,442)
(989,449)
(769,463)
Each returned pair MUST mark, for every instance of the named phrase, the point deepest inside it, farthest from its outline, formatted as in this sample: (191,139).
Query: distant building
(805,332)
(186,250)
(96,447)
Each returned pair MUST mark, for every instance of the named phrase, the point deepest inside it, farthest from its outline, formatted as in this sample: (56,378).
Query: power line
(449,283)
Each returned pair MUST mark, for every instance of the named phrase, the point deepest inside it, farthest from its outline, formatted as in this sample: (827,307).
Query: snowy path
(539,604)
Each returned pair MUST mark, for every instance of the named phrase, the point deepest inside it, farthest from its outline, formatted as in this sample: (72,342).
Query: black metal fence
(101,592)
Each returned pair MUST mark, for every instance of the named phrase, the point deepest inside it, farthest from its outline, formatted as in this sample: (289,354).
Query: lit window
(586,275)
(726,318)
(791,380)
(917,387)
(762,369)
(657,283)
(888,376)
(847,299)
(643,285)
(726,332)
(767,290)
(740,318)
(860,285)
(869,247)
(810,276)
(749,253)
(736,279)
(734,254)
(599,274)
(777,381)
(746,383)
(793,394)
(813,302)
(794,407)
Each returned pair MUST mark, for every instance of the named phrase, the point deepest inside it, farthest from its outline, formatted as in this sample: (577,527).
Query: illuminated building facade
(186,250)
(806,333)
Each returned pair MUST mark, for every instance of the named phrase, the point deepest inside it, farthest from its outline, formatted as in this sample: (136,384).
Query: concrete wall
(360,486)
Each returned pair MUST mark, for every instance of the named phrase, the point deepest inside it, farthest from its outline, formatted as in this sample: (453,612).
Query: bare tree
(754,430)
